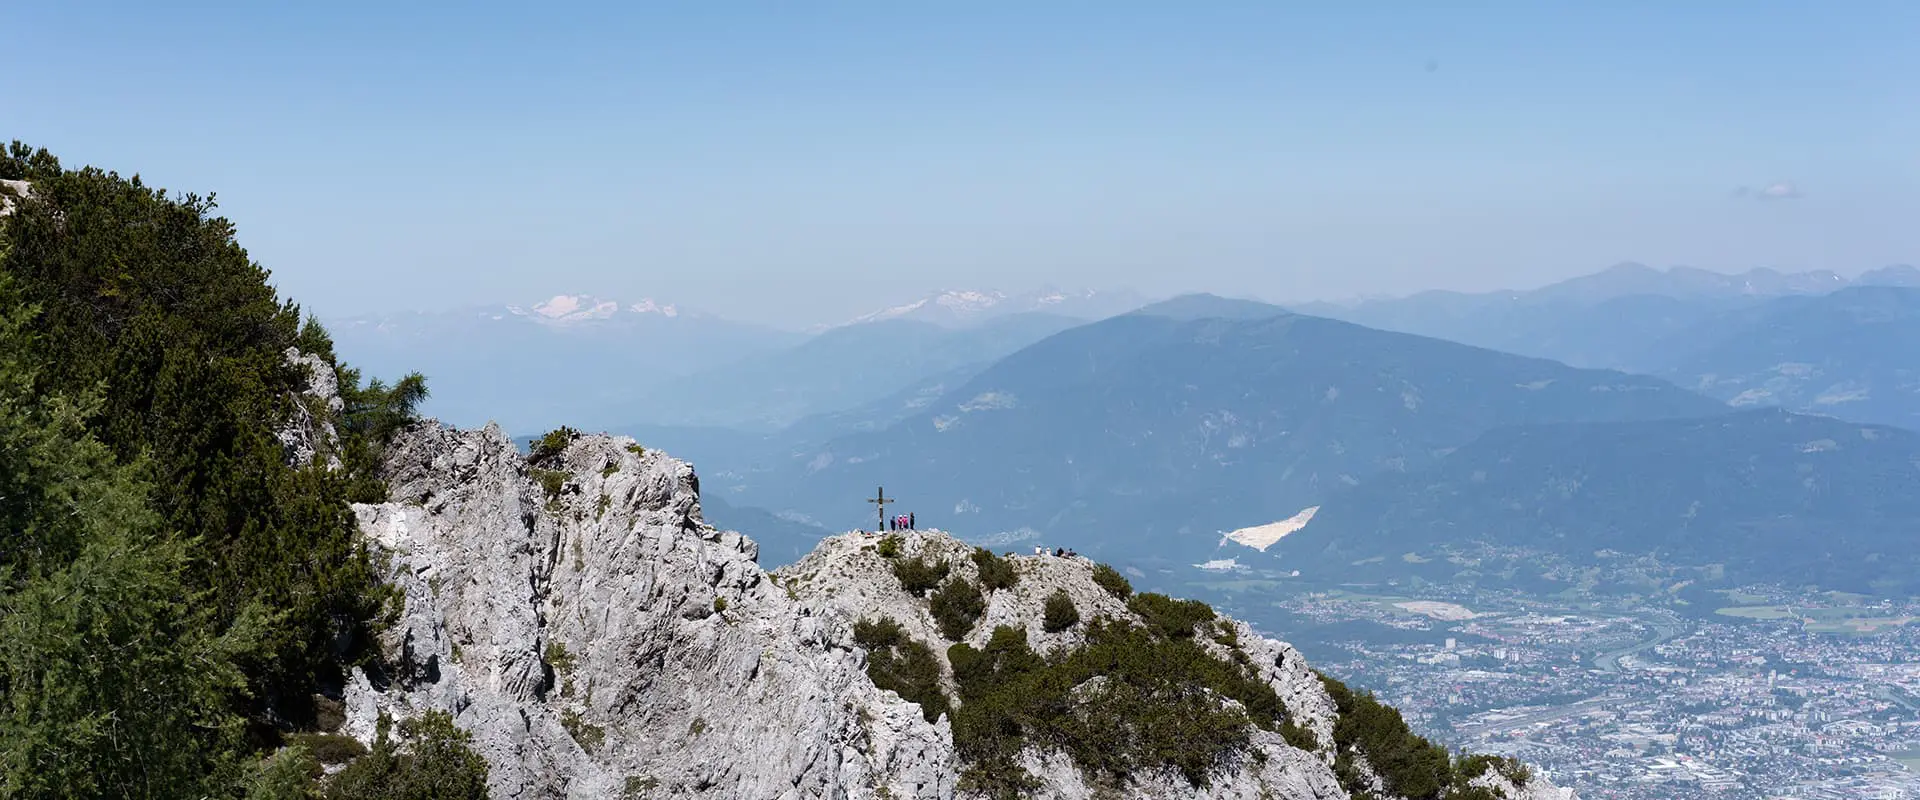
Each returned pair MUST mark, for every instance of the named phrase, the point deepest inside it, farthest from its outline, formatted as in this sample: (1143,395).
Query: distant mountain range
(1172,423)
(1854,353)
(1748,496)
(1143,437)
(840,369)
(593,362)
(1615,319)
(964,307)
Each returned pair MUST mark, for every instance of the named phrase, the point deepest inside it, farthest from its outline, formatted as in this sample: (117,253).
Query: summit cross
(880,500)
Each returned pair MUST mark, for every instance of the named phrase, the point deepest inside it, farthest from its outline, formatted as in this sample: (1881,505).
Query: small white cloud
(1782,190)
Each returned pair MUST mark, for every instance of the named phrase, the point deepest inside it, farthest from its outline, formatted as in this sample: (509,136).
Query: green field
(1821,620)
(1756,612)
(1859,625)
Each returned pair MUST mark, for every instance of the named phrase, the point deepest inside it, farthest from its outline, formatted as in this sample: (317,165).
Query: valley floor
(1777,695)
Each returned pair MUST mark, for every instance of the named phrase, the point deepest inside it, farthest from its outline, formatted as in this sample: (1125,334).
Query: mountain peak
(564,309)
(954,307)
(1891,275)
(1202,305)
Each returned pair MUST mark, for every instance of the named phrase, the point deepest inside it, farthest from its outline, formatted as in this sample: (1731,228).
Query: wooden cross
(880,500)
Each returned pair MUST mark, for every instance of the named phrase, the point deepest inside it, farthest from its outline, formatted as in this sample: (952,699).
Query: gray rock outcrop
(847,574)
(12,192)
(309,431)
(599,639)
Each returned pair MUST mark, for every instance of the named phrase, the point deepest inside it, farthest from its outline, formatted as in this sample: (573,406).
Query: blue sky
(798,162)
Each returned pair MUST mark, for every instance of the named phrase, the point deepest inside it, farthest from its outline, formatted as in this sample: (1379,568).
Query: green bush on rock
(1111,580)
(432,761)
(1125,701)
(1408,764)
(956,607)
(897,663)
(1059,612)
(1170,618)
(552,444)
(995,573)
(918,575)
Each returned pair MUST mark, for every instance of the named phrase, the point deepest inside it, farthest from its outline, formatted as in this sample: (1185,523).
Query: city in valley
(1775,693)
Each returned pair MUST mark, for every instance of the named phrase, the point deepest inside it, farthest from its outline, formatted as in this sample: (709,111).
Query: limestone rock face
(12,192)
(310,432)
(599,639)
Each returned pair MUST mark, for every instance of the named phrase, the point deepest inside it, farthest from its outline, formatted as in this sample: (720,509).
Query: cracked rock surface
(599,639)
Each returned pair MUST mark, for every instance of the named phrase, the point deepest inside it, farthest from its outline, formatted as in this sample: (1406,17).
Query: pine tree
(111,682)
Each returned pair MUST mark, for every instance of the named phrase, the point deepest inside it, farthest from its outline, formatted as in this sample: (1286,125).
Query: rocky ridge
(599,639)
(847,574)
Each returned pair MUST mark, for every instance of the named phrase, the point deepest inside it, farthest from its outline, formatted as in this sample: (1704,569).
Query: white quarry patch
(1751,397)
(1221,565)
(1261,537)
(1536,385)
(1447,612)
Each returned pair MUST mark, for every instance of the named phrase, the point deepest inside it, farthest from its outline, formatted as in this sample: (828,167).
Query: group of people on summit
(901,522)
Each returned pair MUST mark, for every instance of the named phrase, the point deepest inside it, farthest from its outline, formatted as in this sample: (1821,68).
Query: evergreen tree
(149,303)
(112,683)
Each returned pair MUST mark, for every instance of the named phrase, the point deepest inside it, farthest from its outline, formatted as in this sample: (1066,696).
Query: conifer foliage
(112,681)
(169,582)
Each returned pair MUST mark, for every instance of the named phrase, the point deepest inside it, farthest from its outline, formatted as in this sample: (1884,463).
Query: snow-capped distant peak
(964,306)
(648,306)
(895,312)
(1054,297)
(571,307)
(968,301)
(942,306)
(564,309)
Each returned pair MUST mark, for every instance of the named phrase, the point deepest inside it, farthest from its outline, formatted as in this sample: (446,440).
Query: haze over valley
(886,401)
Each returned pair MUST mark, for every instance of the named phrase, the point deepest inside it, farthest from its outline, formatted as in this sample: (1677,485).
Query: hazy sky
(806,161)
